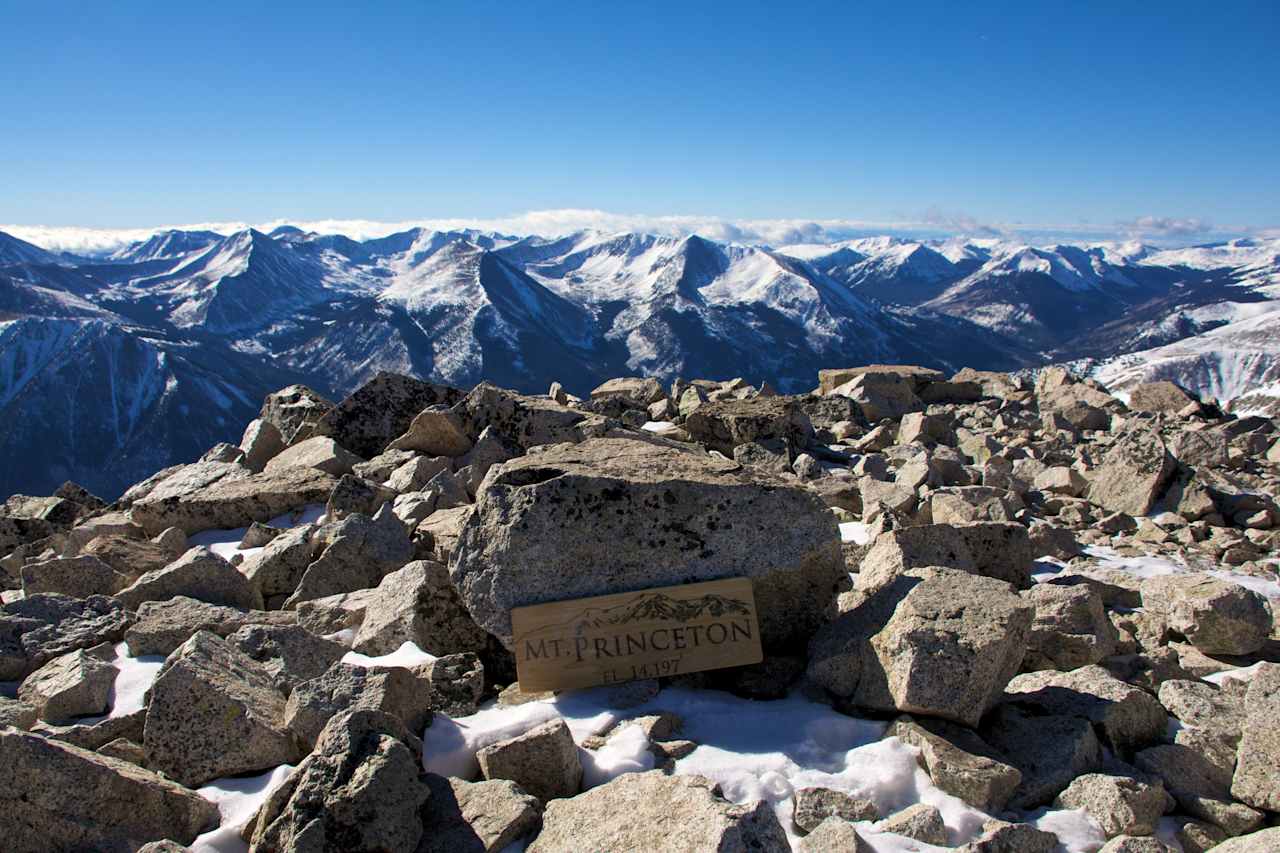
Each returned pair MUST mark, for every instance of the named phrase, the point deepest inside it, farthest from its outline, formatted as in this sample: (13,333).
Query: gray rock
(36,629)
(294,411)
(1216,616)
(261,443)
(1133,473)
(290,653)
(881,395)
(223,452)
(1001,837)
(132,558)
(1205,706)
(54,796)
(770,455)
(543,761)
(335,613)
(232,502)
(20,715)
(1121,805)
(834,833)
(1264,841)
(991,549)
(518,420)
(361,788)
(611,515)
(199,574)
(353,494)
(1196,836)
(643,391)
(1070,629)
(1159,397)
(1135,844)
(811,806)
(658,813)
(76,684)
(920,821)
(436,432)
(215,712)
(277,569)
(415,473)
(381,410)
(724,424)
(959,762)
(938,642)
(321,453)
(78,577)
(1126,717)
(1257,776)
(1049,751)
(393,690)
(418,604)
(358,553)
(476,817)
(162,626)
(95,735)
(439,533)
(1201,787)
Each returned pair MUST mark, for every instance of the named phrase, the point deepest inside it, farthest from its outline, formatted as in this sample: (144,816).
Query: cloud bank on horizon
(933,224)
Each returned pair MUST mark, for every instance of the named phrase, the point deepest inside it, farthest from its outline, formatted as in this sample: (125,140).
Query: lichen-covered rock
(321,453)
(1126,718)
(1216,616)
(76,684)
(921,822)
(1121,805)
(1257,776)
(659,813)
(724,424)
(162,626)
(215,712)
(358,553)
(395,690)
(1201,787)
(200,574)
(232,502)
(36,629)
(517,420)
(1133,473)
(1070,629)
(294,411)
(811,806)
(290,653)
(418,604)
(78,577)
(611,515)
(997,550)
(934,641)
(54,796)
(359,789)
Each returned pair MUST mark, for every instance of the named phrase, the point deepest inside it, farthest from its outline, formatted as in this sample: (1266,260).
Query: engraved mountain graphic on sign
(648,607)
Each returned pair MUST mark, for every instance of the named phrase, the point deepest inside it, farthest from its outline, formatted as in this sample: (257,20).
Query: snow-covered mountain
(115,365)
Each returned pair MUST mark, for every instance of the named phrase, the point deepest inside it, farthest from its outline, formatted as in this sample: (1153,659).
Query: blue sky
(141,113)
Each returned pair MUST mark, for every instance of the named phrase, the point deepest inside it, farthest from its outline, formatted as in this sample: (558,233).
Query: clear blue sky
(140,113)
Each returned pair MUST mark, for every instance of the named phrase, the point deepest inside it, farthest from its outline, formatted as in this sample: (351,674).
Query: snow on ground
(755,750)
(226,543)
(1154,565)
(407,655)
(238,799)
(855,532)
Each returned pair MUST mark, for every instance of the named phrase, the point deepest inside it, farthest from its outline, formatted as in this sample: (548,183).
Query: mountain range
(116,364)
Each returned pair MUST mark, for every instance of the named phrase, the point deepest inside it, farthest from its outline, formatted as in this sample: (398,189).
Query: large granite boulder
(1216,616)
(381,410)
(1257,776)
(162,626)
(231,502)
(516,419)
(76,684)
(361,788)
(658,813)
(1133,473)
(321,453)
(55,796)
(294,412)
(215,712)
(615,515)
(358,552)
(725,424)
(418,604)
(200,574)
(36,629)
(78,577)
(933,641)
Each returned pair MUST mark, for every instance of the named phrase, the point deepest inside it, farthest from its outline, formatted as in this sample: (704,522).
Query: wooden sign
(609,639)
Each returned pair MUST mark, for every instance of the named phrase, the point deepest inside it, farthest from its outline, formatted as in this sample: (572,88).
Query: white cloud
(933,223)
(1166,226)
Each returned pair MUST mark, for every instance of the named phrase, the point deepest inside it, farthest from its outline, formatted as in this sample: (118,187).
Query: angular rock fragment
(418,604)
(76,684)
(543,761)
(199,574)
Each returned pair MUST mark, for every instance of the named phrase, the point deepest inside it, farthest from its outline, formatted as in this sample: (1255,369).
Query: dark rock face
(380,411)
